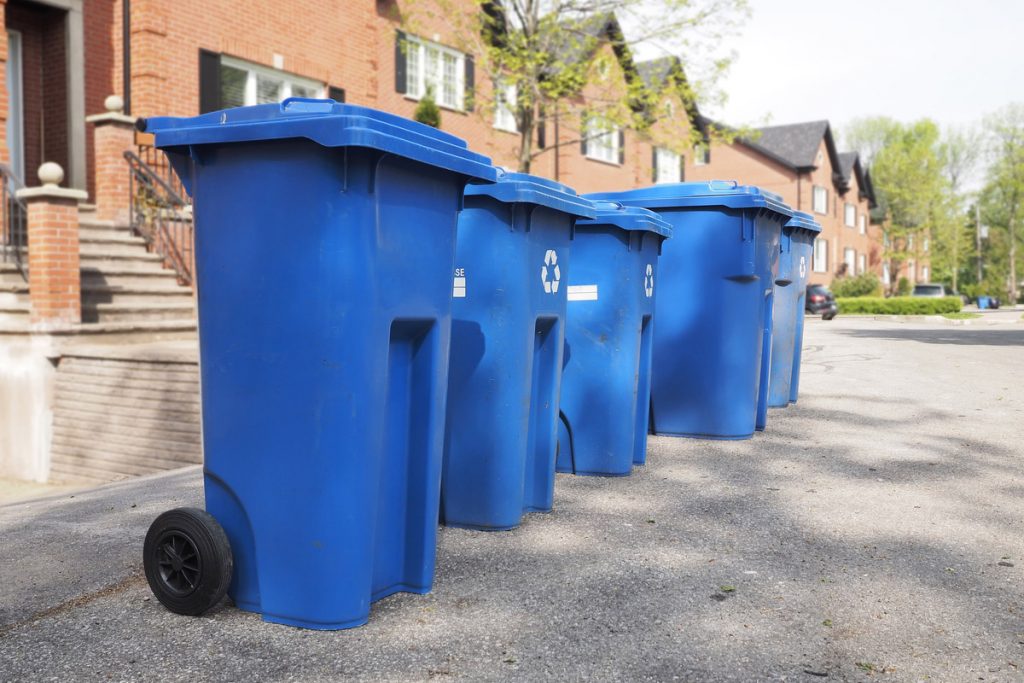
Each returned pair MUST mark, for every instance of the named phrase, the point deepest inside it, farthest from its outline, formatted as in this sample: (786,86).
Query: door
(15,105)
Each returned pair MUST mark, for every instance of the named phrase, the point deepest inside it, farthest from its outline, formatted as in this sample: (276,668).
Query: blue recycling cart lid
(523,188)
(327,123)
(727,193)
(631,218)
(802,220)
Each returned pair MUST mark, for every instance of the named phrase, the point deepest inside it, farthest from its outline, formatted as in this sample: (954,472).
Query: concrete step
(100,259)
(103,232)
(14,312)
(114,274)
(113,249)
(9,272)
(104,236)
(14,287)
(133,312)
(93,294)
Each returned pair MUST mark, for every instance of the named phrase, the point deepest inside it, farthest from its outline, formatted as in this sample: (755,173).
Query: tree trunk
(527,127)
(1013,257)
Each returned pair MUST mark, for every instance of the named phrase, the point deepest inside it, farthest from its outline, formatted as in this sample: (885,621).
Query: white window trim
(253,71)
(820,265)
(504,116)
(417,77)
(815,190)
(848,209)
(700,155)
(862,223)
(862,264)
(602,141)
(850,259)
(668,166)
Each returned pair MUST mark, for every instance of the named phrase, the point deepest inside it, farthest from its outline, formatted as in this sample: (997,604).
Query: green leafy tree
(540,55)
(1002,198)
(960,151)
(910,186)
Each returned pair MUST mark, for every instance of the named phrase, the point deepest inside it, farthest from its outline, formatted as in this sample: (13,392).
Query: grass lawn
(962,315)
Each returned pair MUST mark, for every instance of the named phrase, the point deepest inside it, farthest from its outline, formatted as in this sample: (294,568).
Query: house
(801,162)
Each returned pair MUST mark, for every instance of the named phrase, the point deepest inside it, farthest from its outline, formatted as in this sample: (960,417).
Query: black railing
(159,211)
(14,237)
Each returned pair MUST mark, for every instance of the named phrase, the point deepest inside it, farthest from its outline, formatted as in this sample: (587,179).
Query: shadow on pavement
(945,335)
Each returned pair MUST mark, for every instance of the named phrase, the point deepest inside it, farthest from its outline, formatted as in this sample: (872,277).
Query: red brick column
(113,135)
(54,279)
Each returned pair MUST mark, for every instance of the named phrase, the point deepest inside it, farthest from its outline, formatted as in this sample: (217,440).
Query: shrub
(427,110)
(865,284)
(900,305)
(903,287)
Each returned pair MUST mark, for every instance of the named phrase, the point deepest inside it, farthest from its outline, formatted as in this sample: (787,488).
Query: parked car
(929,290)
(820,302)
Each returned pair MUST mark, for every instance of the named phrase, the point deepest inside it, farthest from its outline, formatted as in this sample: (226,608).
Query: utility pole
(977,236)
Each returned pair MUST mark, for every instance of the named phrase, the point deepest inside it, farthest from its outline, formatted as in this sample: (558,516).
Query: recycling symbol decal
(649,281)
(550,273)
(803,266)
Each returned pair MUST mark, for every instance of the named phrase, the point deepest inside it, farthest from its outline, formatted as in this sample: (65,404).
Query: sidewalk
(874,531)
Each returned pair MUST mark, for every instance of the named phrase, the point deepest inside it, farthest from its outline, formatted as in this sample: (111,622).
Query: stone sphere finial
(51,174)
(114,104)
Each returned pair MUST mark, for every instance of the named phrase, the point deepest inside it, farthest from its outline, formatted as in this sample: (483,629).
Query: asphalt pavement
(873,532)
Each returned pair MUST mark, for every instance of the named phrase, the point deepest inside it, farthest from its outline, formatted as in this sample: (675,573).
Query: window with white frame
(602,141)
(667,166)
(911,271)
(850,215)
(701,155)
(820,264)
(244,83)
(850,259)
(504,107)
(910,242)
(862,224)
(819,199)
(433,67)
(926,244)
(886,278)
(862,263)
(924,273)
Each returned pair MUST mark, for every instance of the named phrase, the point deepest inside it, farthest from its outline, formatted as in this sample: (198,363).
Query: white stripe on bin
(582,293)
(459,288)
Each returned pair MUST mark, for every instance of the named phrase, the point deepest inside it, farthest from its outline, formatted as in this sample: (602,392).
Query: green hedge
(900,305)
(865,284)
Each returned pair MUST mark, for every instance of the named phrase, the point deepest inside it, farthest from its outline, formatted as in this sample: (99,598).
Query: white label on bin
(550,273)
(459,284)
(803,266)
(649,281)
(581,292)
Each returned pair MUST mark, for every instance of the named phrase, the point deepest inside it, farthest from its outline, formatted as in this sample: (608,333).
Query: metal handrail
(14,239)
(159,210)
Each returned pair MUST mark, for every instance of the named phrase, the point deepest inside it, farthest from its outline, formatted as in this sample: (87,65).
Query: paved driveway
(874,532)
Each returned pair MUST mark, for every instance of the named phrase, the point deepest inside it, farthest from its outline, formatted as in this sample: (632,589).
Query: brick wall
(54,283)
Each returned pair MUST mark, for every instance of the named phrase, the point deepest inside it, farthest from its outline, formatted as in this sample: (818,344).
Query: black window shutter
(682,168)
(622,146)
(654,164)
(583,135)
(209,81)
(469,83)
(541,134)
(400,67)
(335,93)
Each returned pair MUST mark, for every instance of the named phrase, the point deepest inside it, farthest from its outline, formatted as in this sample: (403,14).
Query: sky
(800,60)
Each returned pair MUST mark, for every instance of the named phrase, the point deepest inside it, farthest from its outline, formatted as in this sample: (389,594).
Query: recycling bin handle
(723,185)
(607,205)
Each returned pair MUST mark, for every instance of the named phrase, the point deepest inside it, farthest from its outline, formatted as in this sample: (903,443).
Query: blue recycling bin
(325,241)
(796,249)
(508,328)
(984,302)
(607,367)
(713,335)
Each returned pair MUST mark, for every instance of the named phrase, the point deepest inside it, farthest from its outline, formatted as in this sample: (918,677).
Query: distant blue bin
(607,367)
(508,328)
(713,309)
(796,250)
(325,239)
(984,302)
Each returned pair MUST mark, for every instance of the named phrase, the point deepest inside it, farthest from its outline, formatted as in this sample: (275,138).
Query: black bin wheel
(188,560)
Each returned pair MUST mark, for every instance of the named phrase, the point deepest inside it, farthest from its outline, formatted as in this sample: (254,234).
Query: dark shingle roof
(846,162)
(796,143)
(655,72)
